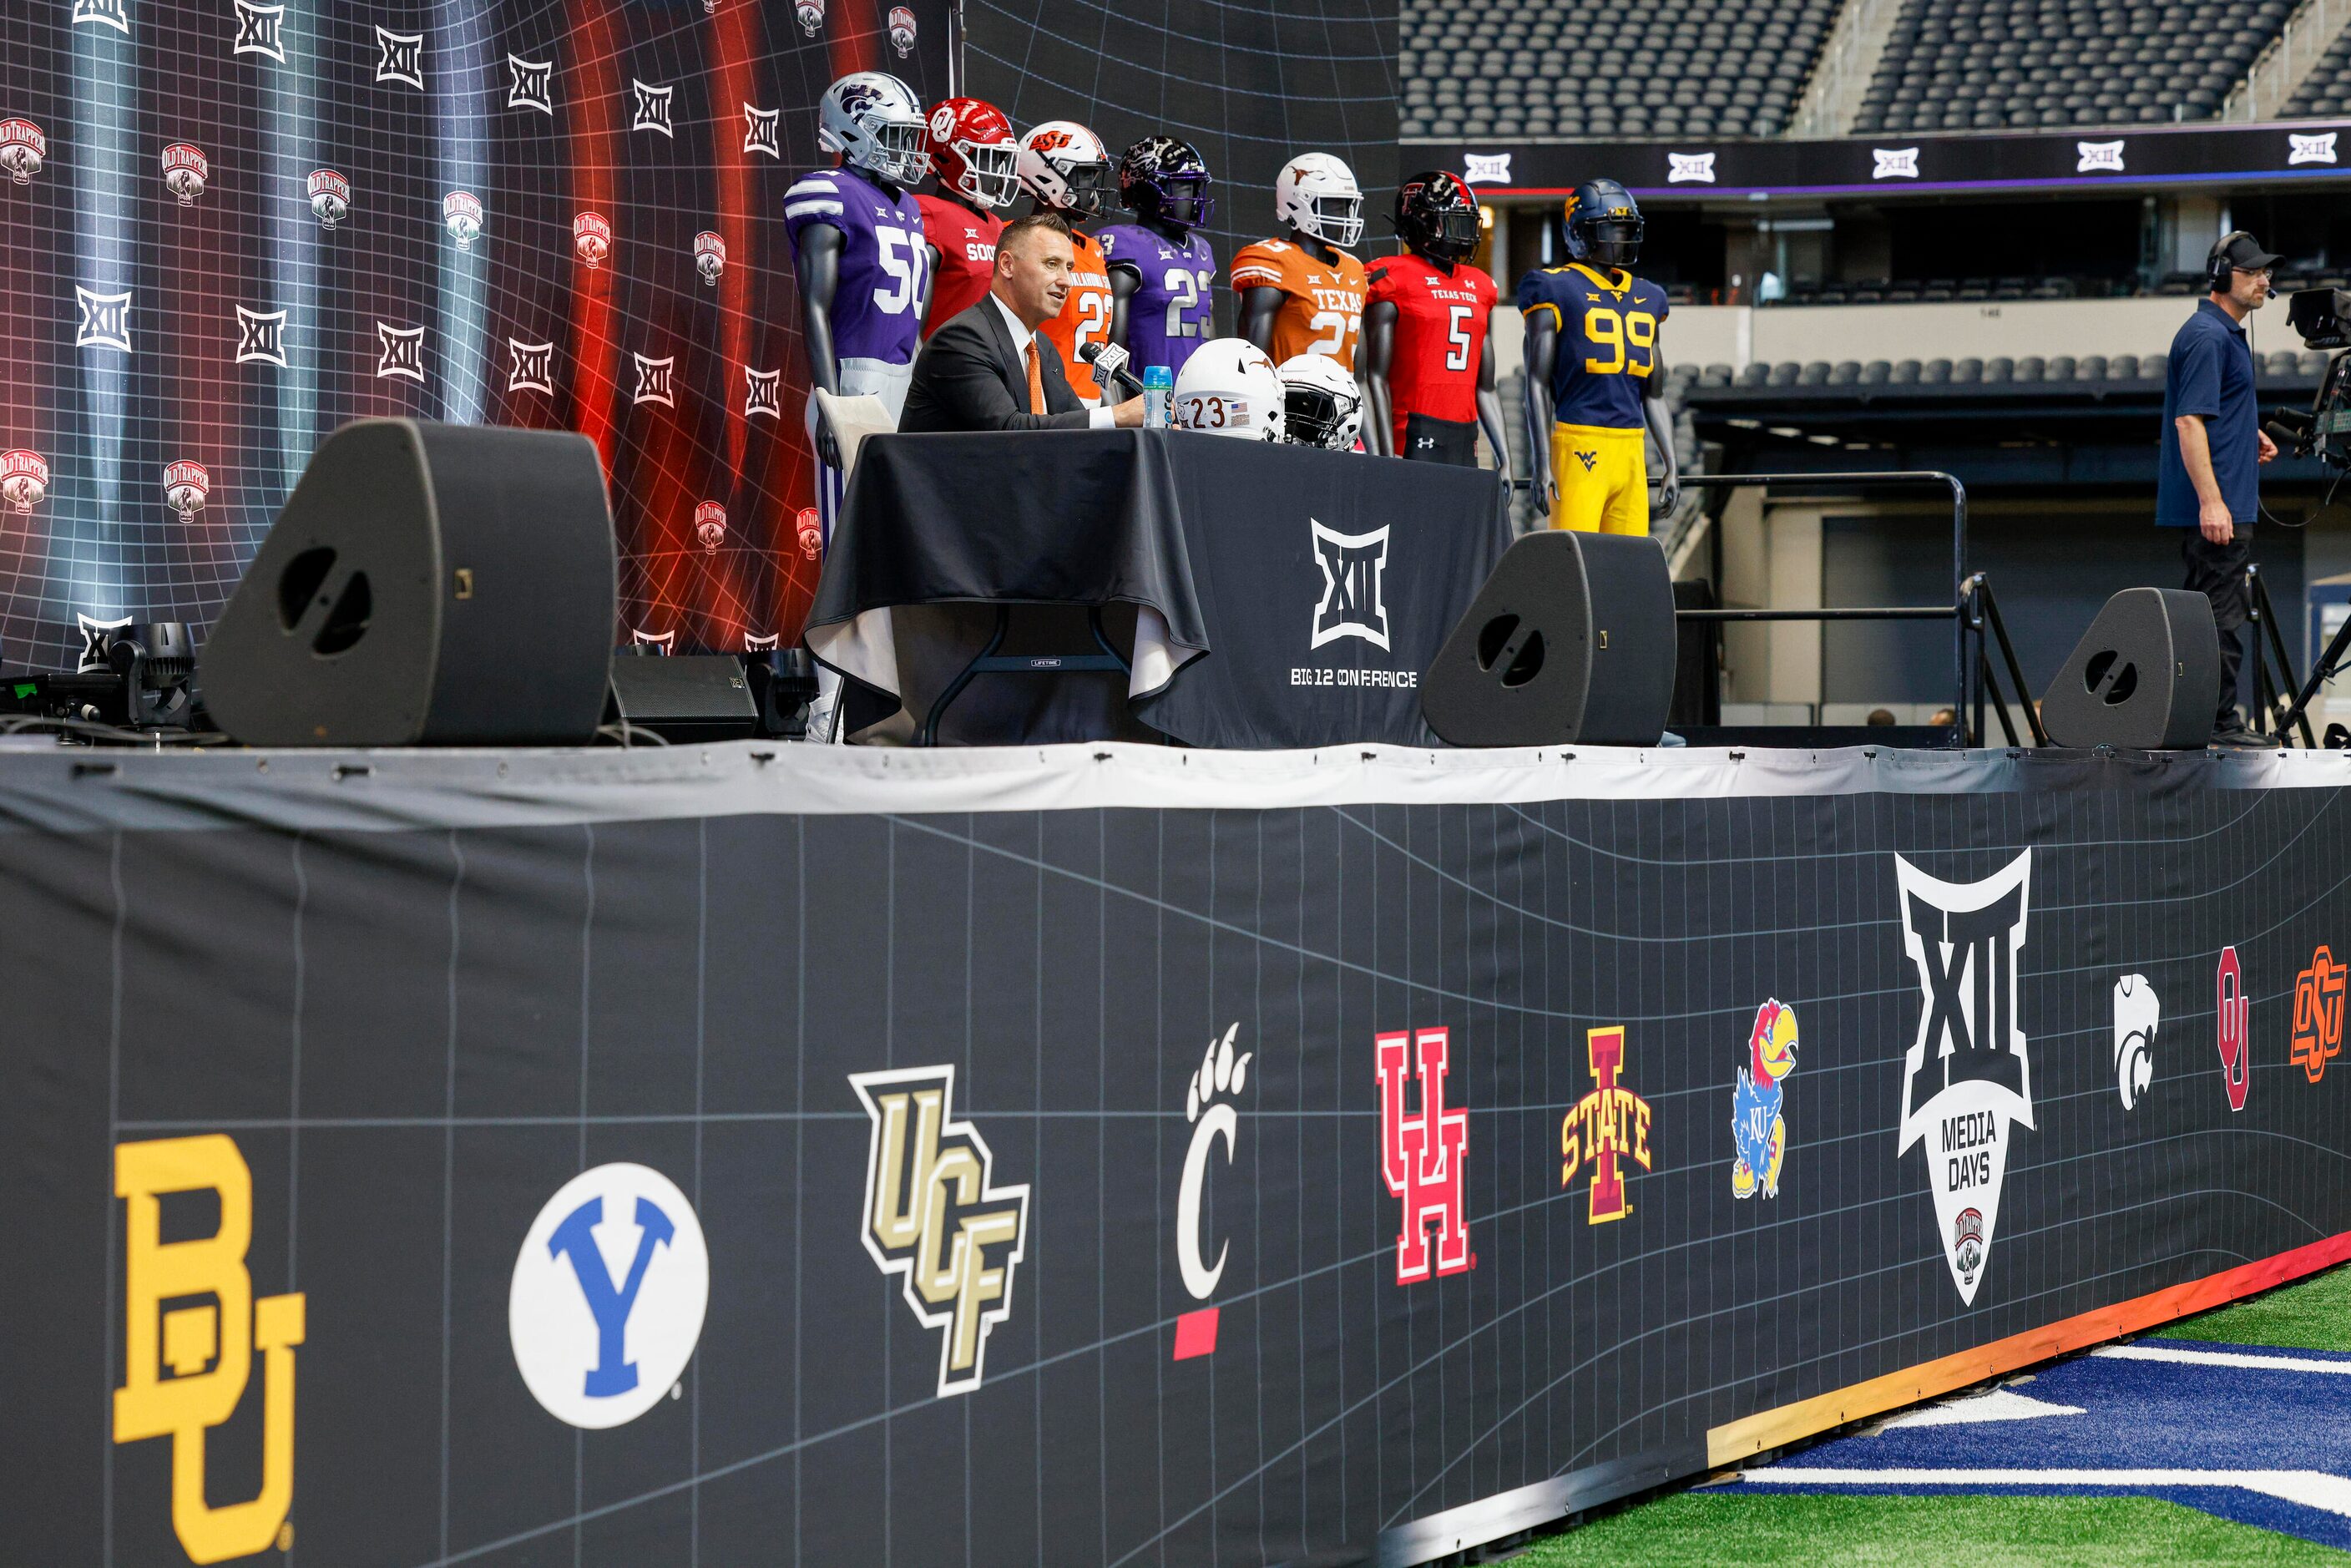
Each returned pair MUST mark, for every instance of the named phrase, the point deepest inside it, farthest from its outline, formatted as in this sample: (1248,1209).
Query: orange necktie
(1036,380)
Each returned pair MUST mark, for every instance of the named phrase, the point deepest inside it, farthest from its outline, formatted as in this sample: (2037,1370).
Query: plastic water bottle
(1158,397)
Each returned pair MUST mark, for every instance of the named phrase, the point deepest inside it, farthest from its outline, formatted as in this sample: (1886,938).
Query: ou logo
(608,1295)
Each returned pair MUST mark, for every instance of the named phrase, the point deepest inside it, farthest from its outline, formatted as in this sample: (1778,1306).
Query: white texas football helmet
(875,122)
(1321,404)
(1316,195)
(1229,387)
(1066,168)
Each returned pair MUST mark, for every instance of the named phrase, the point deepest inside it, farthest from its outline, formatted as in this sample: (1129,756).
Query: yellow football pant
(1604,480)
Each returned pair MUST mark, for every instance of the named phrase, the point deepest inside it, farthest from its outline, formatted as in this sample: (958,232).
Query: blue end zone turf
(2193,1424)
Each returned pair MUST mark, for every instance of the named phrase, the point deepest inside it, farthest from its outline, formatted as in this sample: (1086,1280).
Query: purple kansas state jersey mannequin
(877,310)
(1167,317)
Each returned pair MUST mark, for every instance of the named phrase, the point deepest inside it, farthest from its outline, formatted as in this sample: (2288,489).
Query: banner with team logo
(231,227)
(1106,1154)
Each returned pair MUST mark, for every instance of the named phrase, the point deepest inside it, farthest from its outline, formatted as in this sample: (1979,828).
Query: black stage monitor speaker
(1572,639)
(2146,675)
(688,698)
(426,585)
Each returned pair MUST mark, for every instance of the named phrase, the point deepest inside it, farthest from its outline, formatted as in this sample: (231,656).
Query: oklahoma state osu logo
(1422,1157)
(168,1324)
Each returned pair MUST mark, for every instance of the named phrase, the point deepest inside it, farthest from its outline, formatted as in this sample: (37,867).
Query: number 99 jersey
(1607,342)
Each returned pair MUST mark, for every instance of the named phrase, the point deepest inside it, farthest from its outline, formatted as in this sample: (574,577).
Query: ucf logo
(1351,568)
(1421,1157)
(208,1346)
(933,1217)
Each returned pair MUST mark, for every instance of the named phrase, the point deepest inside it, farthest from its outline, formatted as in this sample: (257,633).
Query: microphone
(1109,362)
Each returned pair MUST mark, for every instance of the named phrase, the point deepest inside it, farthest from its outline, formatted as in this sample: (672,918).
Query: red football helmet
(974,150)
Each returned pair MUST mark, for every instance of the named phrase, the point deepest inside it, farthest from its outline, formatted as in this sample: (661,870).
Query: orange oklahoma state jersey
(1440,335)
(1321,307)
(1085,316)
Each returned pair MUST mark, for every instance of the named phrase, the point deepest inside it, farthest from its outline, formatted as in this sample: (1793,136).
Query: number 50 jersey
(877,304)
(1607,340)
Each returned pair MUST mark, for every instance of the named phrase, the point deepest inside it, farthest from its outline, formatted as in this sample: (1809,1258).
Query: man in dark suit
(988,369)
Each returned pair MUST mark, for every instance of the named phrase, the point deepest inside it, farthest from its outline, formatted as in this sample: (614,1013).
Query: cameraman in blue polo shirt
(2207,476)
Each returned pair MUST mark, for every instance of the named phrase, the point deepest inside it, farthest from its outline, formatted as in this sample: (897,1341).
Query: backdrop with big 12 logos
(227,227)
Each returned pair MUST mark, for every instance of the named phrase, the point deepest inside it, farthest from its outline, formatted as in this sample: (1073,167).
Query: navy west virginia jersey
(1607,340)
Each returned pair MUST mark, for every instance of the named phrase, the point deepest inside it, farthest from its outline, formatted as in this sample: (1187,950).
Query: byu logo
(260,30)
(399,57)
(105,319)
(106,13)
(2107,156)
(656,380)
(652,107)
(189,1306)
(1422,1157)
(2138,1014)
(1894,163)
(1967,1081)
(1684,168)
(96,639)
(1208,1105)
(935,1217)
(759,130)
(1353,566)
(530,84)
(260,337)
(402,353)
(762,393)
(608,1295)
(530,367)
(2318,149)
(1487,168)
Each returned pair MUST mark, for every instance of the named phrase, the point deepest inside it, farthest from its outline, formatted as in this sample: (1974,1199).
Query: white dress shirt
(1102,418)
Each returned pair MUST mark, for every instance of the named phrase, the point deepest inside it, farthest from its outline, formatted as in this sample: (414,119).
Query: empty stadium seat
(2031,368)
(2121,368)
(2328,88)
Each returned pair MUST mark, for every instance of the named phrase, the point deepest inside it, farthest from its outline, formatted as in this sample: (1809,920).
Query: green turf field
(2314,1314)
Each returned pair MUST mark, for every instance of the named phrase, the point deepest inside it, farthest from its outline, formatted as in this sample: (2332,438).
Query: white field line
(2147,1351)
(2310,1489)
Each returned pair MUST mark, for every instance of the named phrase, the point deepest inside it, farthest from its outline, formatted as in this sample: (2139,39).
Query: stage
(1005,1154)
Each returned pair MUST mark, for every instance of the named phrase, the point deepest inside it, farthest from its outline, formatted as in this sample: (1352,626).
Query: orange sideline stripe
(1775,1428)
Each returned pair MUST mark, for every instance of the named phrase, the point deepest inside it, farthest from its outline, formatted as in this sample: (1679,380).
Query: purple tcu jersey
(877,306)
(1168,317)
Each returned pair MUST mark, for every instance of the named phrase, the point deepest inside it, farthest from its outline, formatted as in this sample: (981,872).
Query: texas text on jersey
(1440,338)
(1322,307)
(966,242)
(1607,325)
(1167,314)
(876,306)
(1085,315)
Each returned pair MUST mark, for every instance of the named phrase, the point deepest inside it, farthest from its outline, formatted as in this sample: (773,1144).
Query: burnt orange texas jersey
(1085,315)
(1322,307)
(1440,335)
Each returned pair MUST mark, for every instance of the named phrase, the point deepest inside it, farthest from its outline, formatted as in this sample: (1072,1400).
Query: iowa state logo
(1422,1155)
(936,1218)
(1967,1081)
(1608,1125)
(192,1335)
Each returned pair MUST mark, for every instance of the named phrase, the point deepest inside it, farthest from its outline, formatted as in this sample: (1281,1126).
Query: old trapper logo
(1967,1081)
(935,1217)
(1607,1125)
(186,1363)
(1422,1157)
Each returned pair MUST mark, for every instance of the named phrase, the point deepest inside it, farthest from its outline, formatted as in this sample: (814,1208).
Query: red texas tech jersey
(1441,336)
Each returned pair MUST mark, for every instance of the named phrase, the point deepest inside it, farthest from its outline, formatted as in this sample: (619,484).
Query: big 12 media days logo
(189,1307)
(1967,1081)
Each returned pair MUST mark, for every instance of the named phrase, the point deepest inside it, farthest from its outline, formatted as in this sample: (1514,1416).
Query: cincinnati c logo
(221,1333)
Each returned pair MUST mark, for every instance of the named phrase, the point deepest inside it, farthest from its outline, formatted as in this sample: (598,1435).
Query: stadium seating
(1988,65)
(2327,91)
(1665,67)
(2279,368)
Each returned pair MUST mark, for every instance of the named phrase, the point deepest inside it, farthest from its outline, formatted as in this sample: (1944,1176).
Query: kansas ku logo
(1209,1104)
(1352,565)
(1967,1081)
(1607,1125)
(1759,1130)
(185,485)
(191,1334)
(608,1295)
(935,1217)
(24,480)
(1422,1157)
(185,172)
(23,149)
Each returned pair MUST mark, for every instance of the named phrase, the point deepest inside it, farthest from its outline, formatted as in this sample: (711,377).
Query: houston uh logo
(222,1335)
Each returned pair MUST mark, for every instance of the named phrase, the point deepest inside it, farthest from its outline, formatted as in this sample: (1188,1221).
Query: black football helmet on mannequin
(1164,178)
(1436,216)
(1604,224)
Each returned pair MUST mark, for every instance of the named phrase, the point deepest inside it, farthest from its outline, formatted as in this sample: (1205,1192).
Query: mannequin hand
(1670,495)
(828,449)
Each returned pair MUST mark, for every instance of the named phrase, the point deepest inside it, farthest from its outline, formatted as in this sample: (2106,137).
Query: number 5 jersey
(1440,338)
(1167,317)
(877,319)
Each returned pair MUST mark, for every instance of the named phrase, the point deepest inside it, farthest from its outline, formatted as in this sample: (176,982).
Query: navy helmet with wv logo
(1604,224)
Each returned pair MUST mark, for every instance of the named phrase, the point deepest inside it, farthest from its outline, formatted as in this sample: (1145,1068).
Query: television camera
(2321,318)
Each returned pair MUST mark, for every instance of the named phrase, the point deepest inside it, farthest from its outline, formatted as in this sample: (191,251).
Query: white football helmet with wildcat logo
(873,120)
(1229,387)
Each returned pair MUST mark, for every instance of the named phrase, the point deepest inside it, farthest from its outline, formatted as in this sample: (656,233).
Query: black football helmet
(1436,216)
(1164,178)
(1604,224)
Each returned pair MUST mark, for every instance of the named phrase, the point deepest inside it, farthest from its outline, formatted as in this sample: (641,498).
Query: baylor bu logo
(186,1364)
(1422,1157)
(935,1217)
